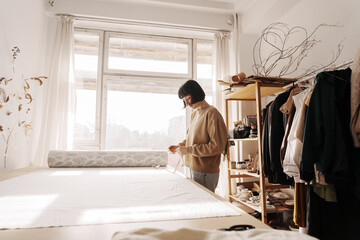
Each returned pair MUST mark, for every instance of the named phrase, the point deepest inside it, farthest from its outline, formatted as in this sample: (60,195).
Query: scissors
(240,227)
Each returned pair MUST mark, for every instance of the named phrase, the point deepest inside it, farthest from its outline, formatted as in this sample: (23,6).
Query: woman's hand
(172,149)
(181,150)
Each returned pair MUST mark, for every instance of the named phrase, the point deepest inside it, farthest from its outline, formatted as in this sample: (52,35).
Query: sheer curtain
(236,44)
(222,69)
(54,122)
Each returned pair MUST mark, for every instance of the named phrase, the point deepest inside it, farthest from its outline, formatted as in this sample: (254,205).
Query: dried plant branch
(12,106)
(315,69)
(15,51)
(7,140)
(282,56)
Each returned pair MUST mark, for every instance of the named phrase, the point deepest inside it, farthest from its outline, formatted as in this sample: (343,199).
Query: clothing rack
(301,80)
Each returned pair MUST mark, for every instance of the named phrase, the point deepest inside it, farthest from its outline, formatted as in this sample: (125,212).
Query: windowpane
(86,65)
(148,55)
(142,120)
(85,114)
(204,60)
(204,66)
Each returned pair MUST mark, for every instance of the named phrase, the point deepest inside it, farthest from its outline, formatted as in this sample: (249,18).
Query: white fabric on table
(81,196)
(195,234)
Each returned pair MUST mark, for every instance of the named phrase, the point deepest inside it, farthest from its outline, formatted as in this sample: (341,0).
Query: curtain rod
(145,24)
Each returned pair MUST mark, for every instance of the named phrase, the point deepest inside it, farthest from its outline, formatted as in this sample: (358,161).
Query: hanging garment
(355,100)
(276,123)
(286,134)
(327,138)
(288,108)
(299,216)
(292,158)
(329,220)
(266,166)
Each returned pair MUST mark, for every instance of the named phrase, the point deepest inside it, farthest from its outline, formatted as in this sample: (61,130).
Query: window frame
(104,74)
(188,41)
(94,143)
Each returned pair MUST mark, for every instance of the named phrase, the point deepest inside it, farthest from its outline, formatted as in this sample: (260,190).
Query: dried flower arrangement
(15,105)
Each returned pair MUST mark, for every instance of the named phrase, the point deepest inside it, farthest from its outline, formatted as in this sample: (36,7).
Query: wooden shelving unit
(244,139)
(254,92)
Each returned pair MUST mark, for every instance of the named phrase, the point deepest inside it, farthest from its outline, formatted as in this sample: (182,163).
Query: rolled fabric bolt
(238,77)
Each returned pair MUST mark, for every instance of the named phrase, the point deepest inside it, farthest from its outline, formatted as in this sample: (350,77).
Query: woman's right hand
(172,149)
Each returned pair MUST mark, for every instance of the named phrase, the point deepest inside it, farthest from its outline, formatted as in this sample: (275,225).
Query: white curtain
(236,44)
(54,124)
(222,64)
(222,70)
(235,108)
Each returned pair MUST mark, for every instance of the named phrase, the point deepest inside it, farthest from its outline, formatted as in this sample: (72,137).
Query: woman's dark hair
(192,88)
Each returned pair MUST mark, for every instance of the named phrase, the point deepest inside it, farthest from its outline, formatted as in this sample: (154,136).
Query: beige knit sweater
(205,140)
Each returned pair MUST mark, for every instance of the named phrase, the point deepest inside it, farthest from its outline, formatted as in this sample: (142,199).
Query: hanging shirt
(292,159)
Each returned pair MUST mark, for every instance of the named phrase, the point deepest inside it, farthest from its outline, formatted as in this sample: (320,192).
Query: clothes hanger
(337,77)
(286,107)
(333,68)
(307,83)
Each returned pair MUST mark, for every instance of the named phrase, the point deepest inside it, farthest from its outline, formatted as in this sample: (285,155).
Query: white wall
(309,14)
(22,24)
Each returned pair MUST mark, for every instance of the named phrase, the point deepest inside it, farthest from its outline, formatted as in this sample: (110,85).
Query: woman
(205,139)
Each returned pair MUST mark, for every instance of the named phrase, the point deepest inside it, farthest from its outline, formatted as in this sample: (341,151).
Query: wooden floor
(106,231)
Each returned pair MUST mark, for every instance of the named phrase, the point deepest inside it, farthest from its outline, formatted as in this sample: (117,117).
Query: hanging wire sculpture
(273,54)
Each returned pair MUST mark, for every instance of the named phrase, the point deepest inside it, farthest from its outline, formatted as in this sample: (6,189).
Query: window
(204,67)
(144,55)
(126,94)
(85,87)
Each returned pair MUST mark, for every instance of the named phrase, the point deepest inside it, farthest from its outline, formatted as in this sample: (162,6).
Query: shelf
(278,208)
(263,80)
(263,87)
(249,92)
(275,186)
(257,208)
(243,172)
(244,139)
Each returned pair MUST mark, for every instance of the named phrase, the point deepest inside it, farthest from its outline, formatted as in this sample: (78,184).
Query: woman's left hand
(181,150)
